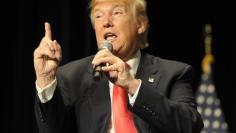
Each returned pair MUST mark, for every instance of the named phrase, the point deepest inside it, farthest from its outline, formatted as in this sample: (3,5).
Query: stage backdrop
(176,32)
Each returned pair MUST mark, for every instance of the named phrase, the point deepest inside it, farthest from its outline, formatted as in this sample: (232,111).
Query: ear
(142,25)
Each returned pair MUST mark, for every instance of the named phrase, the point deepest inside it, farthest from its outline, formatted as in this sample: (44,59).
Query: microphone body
(97,70)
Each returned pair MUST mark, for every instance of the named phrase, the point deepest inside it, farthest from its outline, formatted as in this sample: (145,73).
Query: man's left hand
(117,71)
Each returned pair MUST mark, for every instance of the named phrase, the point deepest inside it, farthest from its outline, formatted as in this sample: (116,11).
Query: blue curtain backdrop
(176,32)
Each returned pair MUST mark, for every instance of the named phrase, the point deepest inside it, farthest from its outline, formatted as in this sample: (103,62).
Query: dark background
(176,32)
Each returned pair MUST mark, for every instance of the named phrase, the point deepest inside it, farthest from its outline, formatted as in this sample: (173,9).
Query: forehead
(114,3)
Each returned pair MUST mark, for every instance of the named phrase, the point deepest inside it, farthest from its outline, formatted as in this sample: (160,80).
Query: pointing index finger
(48,32)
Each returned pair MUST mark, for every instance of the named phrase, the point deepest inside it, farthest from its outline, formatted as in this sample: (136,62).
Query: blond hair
(140,14)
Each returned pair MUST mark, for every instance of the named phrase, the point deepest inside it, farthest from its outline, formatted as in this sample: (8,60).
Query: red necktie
(123,117)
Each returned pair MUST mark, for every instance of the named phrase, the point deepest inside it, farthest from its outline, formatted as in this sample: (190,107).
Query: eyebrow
(115,6)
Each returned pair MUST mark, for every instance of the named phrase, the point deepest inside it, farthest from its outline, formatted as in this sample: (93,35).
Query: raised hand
(47,57)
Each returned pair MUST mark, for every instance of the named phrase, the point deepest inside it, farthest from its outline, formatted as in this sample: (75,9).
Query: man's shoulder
(164,61)
(167,64)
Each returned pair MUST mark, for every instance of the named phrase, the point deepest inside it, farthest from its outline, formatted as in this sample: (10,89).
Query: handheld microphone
(97,70)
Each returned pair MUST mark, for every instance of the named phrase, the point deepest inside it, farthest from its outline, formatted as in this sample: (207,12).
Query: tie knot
(127,65)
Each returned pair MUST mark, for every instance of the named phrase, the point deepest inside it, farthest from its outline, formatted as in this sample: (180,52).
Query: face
(114,21)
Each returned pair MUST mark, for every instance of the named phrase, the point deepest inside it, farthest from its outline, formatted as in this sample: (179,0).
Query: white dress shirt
(45,94)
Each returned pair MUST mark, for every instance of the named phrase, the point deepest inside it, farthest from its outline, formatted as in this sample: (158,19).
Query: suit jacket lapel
(148,70)
(149,74)
(100,103)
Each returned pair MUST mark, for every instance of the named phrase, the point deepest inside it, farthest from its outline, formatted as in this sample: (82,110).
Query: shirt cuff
(45,94)
(133,98)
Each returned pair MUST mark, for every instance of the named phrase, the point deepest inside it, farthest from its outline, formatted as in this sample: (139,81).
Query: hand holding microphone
(115,68)
(97,69)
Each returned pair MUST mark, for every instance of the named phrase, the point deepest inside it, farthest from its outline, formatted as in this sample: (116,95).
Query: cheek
(99,34)
(129,29)
(97,28)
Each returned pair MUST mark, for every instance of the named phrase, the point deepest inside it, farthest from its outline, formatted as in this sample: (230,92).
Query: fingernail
(93,65)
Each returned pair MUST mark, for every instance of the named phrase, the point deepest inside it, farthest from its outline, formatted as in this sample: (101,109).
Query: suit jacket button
(41,116)
(144,107)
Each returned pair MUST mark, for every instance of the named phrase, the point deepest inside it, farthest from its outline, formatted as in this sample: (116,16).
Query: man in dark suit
(138,92)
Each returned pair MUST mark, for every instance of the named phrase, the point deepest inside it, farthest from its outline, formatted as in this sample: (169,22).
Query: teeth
(109,36)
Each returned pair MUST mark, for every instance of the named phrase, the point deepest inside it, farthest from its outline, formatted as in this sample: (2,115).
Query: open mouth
(110,36)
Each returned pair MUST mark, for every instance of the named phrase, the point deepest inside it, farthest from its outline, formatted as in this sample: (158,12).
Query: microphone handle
(96,73)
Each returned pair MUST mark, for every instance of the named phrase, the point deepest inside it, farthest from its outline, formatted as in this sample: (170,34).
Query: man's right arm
(52,115)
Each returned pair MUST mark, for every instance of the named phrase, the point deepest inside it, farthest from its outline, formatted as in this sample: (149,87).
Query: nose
(108,21)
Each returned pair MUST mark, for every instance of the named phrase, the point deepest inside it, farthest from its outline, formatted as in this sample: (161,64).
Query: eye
(98,15)
(117,12)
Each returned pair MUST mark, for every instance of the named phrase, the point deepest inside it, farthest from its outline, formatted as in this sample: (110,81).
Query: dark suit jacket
(165,103)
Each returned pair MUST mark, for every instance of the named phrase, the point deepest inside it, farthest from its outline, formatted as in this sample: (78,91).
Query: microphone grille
(106,45)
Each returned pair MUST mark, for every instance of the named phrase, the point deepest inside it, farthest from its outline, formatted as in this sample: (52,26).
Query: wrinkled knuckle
(44,39)
(122,64)
(35,52)
(59,47)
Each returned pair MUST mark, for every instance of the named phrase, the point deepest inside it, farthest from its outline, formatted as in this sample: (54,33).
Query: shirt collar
(134,62)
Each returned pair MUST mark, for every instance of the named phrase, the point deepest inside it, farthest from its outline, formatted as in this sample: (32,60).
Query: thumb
(48,32)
